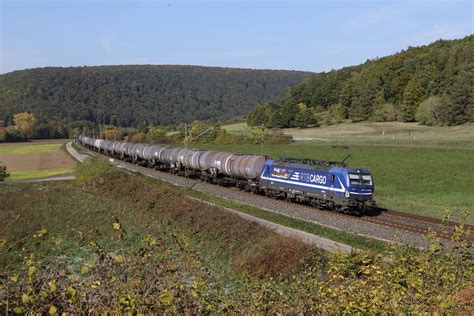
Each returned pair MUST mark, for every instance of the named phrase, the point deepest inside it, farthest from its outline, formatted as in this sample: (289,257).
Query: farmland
(35,159)
(424,175)
(136,245)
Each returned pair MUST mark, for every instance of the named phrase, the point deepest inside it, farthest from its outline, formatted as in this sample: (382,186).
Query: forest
(134,95)
(431,84)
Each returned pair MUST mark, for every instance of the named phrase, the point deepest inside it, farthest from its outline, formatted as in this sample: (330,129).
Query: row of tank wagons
(212,162)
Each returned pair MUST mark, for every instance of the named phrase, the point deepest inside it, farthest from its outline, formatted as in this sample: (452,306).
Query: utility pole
(262,140)
(185,146)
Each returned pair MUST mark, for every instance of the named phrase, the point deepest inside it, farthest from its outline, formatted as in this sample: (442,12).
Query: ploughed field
(35,159)
(420,180)
(115,242)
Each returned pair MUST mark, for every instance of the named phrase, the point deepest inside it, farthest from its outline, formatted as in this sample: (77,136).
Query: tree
(411,100)
(305,117)
(385,112)
(258,116)
(337,112)
(457,103)
(3,172)
(111,133)
(139,137)
(156,133)
(427,113)
(25,122)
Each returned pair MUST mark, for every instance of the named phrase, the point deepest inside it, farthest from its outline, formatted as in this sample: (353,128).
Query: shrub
(274,137)
(337,112)
(139,137)
(384,113)
(3,173)
(95,172)
(225,138)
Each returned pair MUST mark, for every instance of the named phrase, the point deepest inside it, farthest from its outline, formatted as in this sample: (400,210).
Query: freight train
(323,184)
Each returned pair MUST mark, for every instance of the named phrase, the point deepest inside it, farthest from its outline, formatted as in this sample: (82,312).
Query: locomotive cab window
(366,179)
(359,179)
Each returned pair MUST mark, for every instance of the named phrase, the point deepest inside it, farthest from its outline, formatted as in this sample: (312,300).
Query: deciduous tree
(411,100)
(25,122)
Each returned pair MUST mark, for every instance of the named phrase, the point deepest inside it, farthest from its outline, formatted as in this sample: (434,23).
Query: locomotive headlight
(347,194)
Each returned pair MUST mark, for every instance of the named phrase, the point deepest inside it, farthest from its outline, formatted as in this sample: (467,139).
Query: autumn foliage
(133,245)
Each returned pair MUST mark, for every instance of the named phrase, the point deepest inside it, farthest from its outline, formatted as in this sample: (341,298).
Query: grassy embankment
(35,159)
(424,175)
(123,243)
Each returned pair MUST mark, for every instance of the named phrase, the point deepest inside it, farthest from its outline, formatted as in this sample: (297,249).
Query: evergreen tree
(411,100)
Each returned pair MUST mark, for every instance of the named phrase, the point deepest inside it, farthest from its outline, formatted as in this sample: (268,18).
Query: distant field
(420,180)
(35,159)
(389,133)
(237,128)
(409,134)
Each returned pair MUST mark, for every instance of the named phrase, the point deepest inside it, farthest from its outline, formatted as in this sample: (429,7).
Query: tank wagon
(323,184)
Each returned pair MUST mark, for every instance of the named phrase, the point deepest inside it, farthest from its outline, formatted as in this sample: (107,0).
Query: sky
(264,34)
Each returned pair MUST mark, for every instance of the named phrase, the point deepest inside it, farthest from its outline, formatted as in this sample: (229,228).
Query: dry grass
(388,131)
(253,248)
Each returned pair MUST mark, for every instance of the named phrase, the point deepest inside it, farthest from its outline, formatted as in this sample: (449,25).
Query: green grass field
(237,128)
(28,148)
(34,174)
(414,179)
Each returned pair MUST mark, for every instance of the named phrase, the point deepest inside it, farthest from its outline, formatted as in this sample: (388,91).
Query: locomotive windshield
(359,179)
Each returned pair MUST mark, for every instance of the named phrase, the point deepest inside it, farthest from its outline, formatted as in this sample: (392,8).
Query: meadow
(36,159)
(424,175)
(120,243)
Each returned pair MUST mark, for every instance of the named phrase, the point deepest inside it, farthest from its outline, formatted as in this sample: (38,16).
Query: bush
(12,135)
(225,138)
(95,172)
(3,173)
(337,112)
(274,137)
(139,137)
(384,113)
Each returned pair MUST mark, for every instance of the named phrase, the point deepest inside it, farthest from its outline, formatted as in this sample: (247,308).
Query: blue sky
(302,35)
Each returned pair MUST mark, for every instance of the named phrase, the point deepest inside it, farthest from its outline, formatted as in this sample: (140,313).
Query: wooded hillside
(134,95)
(431,84)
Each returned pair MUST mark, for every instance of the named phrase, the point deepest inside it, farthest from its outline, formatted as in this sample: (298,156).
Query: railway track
(413,223)
(416,224)
(419,223)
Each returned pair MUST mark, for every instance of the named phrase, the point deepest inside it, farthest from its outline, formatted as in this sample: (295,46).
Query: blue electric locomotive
(323,184)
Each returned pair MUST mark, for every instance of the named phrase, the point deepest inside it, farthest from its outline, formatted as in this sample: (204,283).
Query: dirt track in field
(37,161)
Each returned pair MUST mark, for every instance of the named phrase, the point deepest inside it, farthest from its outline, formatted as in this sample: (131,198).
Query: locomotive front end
(359,188)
